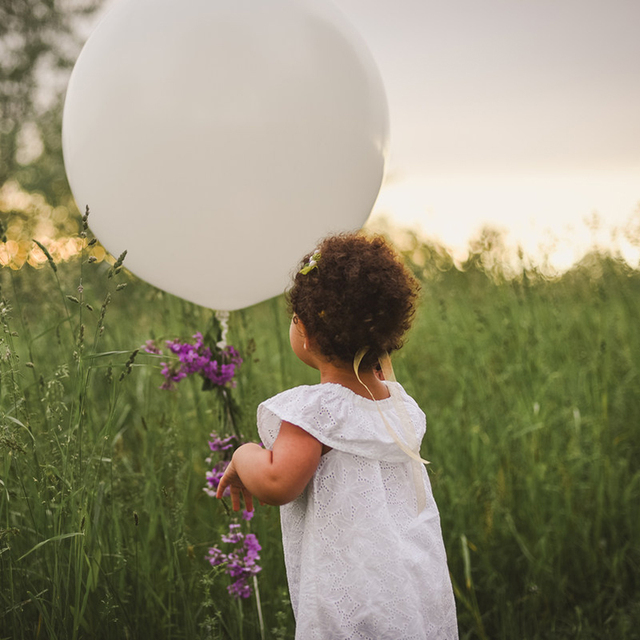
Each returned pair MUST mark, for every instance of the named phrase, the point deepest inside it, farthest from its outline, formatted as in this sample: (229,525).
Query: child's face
(300,342)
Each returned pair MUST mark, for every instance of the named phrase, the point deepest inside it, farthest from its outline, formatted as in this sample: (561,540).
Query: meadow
(531,386)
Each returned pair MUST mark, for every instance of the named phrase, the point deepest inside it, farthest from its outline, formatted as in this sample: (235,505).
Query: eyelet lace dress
(361,562)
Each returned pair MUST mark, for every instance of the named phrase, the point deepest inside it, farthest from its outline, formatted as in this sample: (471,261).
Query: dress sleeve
(337,418)
(304,406)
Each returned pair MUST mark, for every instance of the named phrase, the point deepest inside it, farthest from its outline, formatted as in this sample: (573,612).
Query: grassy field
(532,393)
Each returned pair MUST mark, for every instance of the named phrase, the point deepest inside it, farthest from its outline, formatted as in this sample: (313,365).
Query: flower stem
(259,605)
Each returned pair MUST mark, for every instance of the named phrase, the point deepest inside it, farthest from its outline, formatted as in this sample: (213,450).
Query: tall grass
(533,391)
(103,521)
(532,395)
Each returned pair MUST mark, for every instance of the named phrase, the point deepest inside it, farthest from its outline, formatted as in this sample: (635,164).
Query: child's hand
(232,480)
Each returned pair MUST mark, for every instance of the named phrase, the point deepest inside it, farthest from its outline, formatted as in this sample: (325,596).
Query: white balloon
(218,140)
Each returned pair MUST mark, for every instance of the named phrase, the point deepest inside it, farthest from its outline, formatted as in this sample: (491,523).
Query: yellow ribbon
(405,421)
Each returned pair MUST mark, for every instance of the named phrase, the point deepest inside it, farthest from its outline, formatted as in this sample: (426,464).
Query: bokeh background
(512,191)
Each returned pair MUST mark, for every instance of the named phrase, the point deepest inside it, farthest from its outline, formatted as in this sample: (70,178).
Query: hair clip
(312,264)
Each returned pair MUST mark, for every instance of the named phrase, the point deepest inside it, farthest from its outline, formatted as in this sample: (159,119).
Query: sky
(520,114)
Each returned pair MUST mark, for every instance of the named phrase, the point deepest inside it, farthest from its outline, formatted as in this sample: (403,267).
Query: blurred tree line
(39,43)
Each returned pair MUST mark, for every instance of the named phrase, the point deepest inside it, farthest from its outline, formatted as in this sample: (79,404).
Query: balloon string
(417,461)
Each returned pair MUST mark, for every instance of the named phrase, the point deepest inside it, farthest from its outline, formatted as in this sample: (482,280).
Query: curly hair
(359,295)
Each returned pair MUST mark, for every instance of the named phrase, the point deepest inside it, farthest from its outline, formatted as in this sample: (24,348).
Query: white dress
(361,562)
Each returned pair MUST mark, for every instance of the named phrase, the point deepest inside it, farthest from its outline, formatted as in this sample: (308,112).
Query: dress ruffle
(353,426)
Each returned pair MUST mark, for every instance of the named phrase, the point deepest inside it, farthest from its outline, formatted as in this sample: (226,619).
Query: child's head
(358,295)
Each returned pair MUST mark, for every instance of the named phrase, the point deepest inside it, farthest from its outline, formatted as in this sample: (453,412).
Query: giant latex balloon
(218,140)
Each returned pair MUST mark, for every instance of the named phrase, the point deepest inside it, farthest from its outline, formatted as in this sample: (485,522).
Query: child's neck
(346,377)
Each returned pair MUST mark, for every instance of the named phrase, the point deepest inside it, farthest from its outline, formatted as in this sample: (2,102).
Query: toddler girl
(361,531)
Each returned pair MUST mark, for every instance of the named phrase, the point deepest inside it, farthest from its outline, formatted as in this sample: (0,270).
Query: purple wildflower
(216,556)
(241,562)
(213,478)
(221,444)
(172,374)
(195,358)
(252,546)
(223,447)
(239,589)
(151,347)
(234,535)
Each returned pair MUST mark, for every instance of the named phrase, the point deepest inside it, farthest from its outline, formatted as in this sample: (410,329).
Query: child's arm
(274,477)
